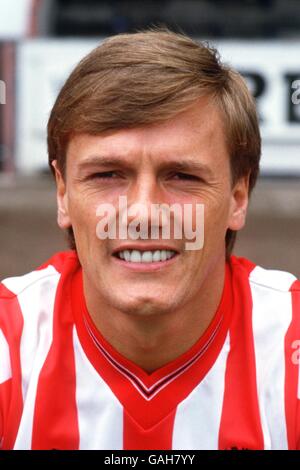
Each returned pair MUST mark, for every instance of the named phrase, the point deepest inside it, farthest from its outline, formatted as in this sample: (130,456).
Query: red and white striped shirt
(62,386)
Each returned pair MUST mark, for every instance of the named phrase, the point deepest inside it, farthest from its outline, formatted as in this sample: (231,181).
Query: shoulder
(273,298)
(27,305)
(29,299)
(259,278)
(45,275)
(274,332)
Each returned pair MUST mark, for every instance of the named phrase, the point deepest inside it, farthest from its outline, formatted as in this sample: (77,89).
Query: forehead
(196,133)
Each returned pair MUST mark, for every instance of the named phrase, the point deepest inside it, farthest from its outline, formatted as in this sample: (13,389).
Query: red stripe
(5,401)
(58,261)
(11,323)
(292,356)
(158,437)
(55,423)
(240,425)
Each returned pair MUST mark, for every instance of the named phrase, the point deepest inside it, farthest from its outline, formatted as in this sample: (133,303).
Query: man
(136,342)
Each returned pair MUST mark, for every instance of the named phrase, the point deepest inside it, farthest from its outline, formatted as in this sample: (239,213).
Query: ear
(63,218)
(239,204)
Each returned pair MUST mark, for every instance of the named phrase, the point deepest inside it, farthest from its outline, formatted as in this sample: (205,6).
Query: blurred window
(203,18)
(14,18)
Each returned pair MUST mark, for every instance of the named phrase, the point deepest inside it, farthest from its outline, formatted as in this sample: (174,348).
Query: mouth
(146,259)
(145,256)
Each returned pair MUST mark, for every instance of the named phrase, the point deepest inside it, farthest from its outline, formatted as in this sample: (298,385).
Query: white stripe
(37,304)
(198,417)
(5,370)
(272,314)
(277,280)
(100,414)
(20,283)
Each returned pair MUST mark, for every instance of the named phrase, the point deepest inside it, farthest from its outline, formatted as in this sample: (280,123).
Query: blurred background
(42,40)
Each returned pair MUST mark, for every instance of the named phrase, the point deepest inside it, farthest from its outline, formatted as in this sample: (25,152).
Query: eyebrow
(186,164)
(97,161)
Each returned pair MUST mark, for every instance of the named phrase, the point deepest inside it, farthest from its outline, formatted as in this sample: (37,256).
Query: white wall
(14,18)
(43,65)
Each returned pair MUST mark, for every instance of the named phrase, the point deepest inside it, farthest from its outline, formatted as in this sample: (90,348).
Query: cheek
(216,215)
(83,217)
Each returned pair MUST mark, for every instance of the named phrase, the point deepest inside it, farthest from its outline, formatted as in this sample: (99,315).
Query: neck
(140,338)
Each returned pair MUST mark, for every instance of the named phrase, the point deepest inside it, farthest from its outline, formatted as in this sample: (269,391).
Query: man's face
(146,165)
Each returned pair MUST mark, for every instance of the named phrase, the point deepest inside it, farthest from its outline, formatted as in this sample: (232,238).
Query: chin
(144,307)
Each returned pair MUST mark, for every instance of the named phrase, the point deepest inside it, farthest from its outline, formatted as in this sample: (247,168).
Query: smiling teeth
(136,256)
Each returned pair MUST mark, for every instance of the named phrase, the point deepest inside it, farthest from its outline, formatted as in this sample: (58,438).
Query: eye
(104,175)
(185,177)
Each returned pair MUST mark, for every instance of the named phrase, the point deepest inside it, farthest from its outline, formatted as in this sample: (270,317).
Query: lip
(145,267)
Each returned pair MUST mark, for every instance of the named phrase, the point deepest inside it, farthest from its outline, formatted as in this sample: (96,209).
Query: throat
(152,343)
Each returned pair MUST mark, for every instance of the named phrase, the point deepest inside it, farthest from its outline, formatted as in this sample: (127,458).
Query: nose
(141,198)
(145,190)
